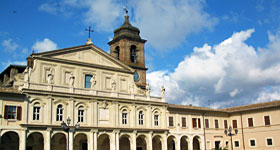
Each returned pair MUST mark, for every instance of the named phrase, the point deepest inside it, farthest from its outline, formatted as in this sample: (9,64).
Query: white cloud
(45,45)
(9,45)
(166,24)
(229,73)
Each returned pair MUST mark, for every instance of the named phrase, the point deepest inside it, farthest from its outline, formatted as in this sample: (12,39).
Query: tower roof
(127,31)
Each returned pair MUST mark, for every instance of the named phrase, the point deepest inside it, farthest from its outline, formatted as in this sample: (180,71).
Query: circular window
(136,76)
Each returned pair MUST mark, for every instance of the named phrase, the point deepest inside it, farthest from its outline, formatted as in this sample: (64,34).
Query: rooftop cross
(126,10)
(89,30)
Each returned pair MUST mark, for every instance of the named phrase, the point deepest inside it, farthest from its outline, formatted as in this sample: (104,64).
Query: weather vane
(89,30)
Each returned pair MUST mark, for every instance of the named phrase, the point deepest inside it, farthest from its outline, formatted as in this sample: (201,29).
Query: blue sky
(223,51)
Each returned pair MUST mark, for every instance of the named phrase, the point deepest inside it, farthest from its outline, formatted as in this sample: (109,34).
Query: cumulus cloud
(9,45)
(45,45)
(228,73)
(165,23)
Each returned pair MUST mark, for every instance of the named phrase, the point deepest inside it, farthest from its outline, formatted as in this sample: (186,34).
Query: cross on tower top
(126,10)
(89,30)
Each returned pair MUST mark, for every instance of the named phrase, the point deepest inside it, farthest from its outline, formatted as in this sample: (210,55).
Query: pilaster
(150,141)
(23,139)
(133,141)
(47,145)
(164,141)
(178,143)
(71,140)
(112,141)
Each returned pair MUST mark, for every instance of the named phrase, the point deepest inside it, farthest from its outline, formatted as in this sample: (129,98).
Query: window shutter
(19,113)
(193,123)
(225,124)
(250,122)
(206,123)
(6,112)
(266,120)
(199,126)
(234,123)
(183,122)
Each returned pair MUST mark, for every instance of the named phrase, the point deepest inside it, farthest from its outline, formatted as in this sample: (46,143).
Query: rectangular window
(250,122)
(236,143)
(225,124)
(171,121)
(269,142)
(206,123)
(252,143)
(266,120)
(87,81)
(184,124)
(12,112)
(80,115)
(196,122)
(156,120)
(36,113)
(216,123)
(124,118)
(141,118)
(234,123)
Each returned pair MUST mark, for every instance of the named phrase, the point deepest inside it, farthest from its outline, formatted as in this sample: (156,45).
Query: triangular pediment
(87,54)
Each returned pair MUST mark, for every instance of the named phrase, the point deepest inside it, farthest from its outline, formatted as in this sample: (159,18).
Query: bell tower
(128,47)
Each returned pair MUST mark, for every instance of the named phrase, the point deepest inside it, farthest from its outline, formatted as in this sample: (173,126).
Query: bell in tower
(128,47)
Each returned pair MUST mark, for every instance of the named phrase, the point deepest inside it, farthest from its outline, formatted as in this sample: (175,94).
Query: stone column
(95,140)
(191,143)
(47,144)
(203,143)
(117,140)
(178,144)
(112,141)
(150,141)
(164,141)
(71,140)
(133,141)
(23,140)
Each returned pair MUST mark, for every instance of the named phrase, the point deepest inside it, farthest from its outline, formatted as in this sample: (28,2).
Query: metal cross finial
(126,10)
(89,30)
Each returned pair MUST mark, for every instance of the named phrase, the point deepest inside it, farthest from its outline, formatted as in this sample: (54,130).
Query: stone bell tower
(128,47)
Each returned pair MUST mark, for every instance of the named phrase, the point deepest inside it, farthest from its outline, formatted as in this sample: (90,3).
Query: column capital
(94,130)
(116,131)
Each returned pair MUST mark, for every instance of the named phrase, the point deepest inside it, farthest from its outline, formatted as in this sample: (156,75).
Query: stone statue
(162,91)
(50,76)
(113,85)
(92,82)
(148,89)
(71,80)
(26,74)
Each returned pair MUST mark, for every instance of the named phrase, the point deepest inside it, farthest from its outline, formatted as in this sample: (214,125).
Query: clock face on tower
(136,76)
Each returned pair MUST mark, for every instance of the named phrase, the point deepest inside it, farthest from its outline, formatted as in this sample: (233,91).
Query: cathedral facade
(82,98)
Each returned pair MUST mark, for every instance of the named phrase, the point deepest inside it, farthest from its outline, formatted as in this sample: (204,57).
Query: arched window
(117,51)
(36,111)
(141,118)
(133,55)
(124,117)
(81,111)
(156,118)
(59,113)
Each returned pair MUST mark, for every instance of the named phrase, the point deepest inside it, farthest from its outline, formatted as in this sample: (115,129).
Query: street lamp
(228,132)
(66,128)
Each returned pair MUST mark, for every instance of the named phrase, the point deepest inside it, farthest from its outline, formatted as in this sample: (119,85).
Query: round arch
(80,142)
(103,142)
(141,143)
(157,144)
(35,141)
(184,143)
(10,141)
(58,141)
(124,142)
(196,143)
(171,142)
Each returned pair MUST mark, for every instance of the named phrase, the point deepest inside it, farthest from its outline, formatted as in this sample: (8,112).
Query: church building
(82,98)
